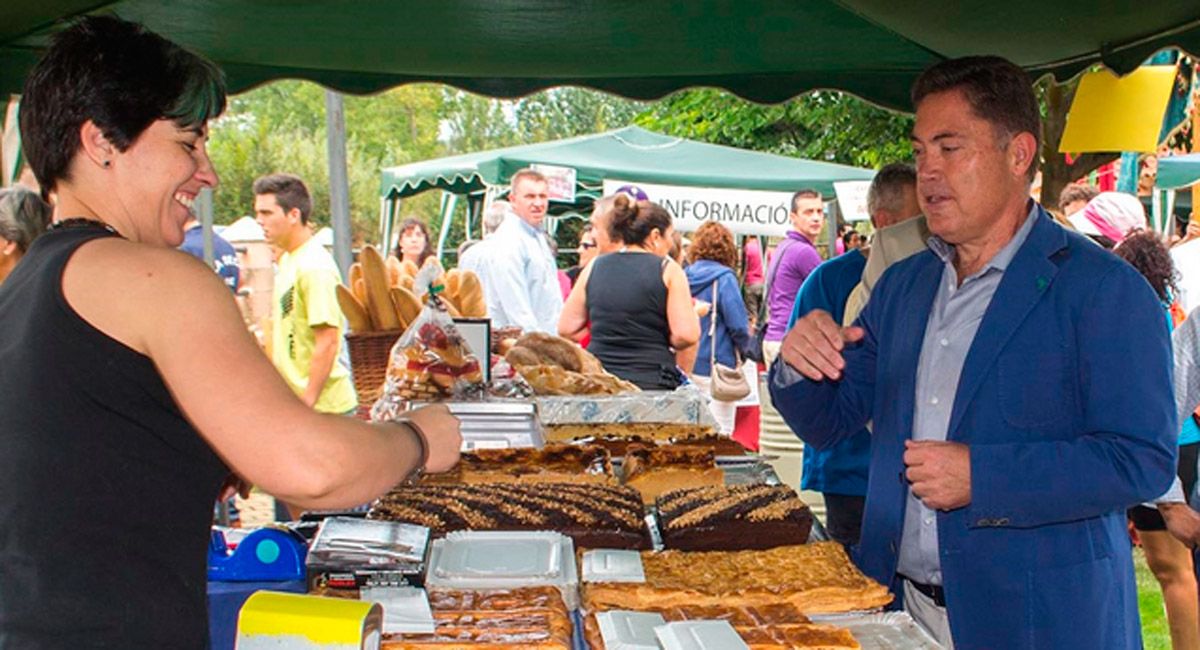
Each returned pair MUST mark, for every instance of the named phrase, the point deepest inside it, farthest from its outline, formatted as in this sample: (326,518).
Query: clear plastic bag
(430,362)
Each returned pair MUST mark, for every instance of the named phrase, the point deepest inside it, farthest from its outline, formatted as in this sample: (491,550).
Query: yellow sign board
(1111,113)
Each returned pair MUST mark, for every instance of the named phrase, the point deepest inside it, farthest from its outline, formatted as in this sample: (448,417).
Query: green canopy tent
(631,154)
(765,50)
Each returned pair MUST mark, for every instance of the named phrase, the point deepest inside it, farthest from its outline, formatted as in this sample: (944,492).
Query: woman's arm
(177,312)
(573,323)
(681,316)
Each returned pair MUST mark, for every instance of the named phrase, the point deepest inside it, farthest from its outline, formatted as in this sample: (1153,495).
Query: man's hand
(1182,522)
(443,438)
(939,473)
(814,345)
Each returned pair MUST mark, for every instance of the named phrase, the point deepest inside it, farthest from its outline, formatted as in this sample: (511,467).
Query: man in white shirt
(515,266)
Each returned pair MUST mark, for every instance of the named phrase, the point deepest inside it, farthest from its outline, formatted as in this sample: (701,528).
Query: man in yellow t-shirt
(308,325)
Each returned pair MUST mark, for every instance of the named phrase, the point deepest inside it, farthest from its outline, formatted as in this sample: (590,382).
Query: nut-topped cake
(594,516)
(733,518)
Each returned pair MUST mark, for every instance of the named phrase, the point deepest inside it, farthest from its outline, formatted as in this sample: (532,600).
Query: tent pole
(339,184)
(448,202)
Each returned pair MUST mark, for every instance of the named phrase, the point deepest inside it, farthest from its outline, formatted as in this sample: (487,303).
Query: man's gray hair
(493,216)
(887,189)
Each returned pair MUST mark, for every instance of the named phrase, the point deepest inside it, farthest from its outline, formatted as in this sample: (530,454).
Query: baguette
(359,289)
(406,305)
(356,314)
(451,283)
(394,271)
(379,303)
(355,276)
(410,268)
(470,296)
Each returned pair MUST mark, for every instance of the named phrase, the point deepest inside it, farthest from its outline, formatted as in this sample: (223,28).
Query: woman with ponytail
(637,300)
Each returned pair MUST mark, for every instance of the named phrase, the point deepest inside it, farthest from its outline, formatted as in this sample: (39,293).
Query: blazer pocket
(1035,388)
(1074,606)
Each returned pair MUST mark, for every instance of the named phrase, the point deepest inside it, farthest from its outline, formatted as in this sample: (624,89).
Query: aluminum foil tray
(499,424)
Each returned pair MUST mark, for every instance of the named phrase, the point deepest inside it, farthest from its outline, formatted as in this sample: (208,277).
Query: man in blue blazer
(1019,379)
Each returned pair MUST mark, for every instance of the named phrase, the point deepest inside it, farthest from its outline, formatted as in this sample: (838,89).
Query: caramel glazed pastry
(555,463)
(529,617)
(817,578)
(593,516)
(740,517)
(654,471)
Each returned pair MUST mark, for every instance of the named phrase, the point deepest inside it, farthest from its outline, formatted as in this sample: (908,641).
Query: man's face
(277,225)
(599,221)
(529,199)
(807,216)
(967,173)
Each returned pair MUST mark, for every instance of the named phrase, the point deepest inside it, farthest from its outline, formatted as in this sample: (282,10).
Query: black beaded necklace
(82,222)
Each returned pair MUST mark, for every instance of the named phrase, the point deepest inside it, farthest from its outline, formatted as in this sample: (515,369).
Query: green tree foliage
(822,125)
(566,112)
(281,127)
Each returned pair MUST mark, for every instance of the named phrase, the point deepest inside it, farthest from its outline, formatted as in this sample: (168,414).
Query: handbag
(726,384)
(755,353)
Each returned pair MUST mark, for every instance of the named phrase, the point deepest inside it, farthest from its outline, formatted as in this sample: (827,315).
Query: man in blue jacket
(1019,380)
(839,472)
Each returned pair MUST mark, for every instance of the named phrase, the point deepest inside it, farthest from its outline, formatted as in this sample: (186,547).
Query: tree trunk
(1056,173)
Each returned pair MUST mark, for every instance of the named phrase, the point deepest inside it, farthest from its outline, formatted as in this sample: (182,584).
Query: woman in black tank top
(128,376)
(636,301)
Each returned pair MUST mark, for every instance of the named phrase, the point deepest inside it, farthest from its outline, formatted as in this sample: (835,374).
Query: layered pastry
(733,518)
(654,471)
(816,578)
(555,463)
(530,617)
(649,430)
(618,445)
(594,516)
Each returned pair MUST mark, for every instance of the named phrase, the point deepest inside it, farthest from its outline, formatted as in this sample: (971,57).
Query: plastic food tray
(505,560)
(498,424)
(883,630)
(685,405)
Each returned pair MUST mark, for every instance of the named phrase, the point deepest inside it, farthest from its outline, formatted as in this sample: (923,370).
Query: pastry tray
(498,424)
(883,630)
(685,405)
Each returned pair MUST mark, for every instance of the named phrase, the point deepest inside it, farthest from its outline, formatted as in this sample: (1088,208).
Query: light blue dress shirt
(519,277)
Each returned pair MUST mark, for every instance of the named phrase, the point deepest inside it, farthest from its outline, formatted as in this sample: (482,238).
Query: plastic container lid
(623,630)
(699,635)
(610,565)
(489,554)
(502,560)
(405,609)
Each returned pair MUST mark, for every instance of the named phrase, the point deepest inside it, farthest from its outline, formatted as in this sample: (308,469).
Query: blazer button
(982,523)
(1002,522)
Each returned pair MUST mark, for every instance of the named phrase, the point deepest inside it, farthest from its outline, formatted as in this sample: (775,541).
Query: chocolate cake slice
(555,463)
(593,515)
(733,518)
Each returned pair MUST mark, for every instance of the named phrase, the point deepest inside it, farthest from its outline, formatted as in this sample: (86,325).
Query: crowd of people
(986,390)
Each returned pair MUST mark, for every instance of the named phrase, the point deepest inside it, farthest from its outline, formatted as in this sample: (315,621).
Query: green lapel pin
(1042,283)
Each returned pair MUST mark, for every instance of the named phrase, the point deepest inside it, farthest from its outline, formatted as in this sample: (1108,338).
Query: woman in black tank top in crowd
(636,300)
(128,372)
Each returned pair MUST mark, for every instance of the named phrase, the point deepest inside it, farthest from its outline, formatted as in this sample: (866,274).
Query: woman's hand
(442,436)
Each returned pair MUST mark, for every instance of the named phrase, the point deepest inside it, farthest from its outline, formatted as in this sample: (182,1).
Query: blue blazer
(1065,401)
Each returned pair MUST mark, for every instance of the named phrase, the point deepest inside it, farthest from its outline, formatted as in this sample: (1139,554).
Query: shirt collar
(796,234)
(526,228)
(1000,260)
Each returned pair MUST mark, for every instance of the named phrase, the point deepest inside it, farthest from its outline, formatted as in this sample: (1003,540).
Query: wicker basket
(369,352)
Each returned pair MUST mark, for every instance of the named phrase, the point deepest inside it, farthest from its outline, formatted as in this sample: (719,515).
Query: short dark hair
(806,193)
(633,221)
(887,188)
(528,172)
(23,216)
(996,89)
(119,75)
(290,192)
(1076,192)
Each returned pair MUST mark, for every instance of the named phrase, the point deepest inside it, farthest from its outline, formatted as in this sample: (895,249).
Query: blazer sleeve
(830,411)
(1124,453)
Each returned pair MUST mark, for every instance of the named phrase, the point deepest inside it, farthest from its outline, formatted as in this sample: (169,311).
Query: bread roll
(470,296)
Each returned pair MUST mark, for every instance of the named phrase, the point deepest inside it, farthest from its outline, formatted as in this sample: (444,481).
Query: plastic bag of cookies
(430,362)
